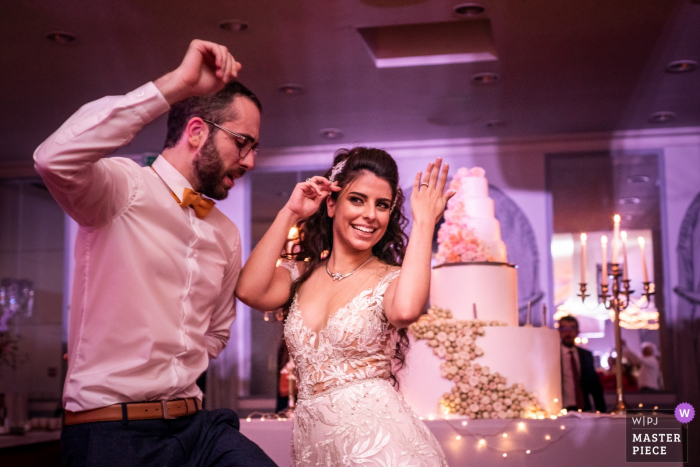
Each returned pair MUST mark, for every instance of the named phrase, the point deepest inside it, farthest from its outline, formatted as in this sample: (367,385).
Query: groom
(156,267)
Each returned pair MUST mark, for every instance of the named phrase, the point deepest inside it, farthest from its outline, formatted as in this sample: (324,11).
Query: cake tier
(478,207)
(476,187)
(493,287)
(497,249)
(485,229)
(525,355)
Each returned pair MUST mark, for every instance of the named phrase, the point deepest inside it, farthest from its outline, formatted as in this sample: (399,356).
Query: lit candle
(616,239)
(644,260)
(604,245)
(583,257)
(623,235)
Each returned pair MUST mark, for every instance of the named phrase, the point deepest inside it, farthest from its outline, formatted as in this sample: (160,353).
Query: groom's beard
(209,171)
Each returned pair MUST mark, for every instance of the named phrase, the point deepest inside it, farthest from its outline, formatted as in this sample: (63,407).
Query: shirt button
(140,94)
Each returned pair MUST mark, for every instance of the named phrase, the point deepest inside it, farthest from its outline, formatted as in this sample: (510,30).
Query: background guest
(579,379)
(649,378)
(608,377)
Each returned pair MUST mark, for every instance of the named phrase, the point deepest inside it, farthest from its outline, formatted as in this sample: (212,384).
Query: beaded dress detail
(348,412)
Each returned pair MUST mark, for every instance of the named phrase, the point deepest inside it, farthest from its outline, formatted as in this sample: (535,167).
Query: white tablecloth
(583,441)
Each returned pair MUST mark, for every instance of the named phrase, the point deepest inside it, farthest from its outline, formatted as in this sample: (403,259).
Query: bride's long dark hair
(316,231)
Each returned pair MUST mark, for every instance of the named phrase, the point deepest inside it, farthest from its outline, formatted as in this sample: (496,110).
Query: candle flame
(623,234)
(617,218)
(293,233)
(641,241)
(604,240)
(584,237)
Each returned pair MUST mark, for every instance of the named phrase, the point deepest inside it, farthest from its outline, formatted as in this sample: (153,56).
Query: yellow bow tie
(201,206)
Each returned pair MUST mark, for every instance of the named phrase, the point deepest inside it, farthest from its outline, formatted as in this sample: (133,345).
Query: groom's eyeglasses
(243,148)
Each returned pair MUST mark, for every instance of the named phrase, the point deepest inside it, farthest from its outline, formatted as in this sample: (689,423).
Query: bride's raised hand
(428,199)
(307,196)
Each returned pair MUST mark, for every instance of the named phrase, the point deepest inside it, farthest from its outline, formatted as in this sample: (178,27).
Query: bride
(354,288)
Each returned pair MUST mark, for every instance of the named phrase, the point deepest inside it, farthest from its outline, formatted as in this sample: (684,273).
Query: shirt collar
(170,175)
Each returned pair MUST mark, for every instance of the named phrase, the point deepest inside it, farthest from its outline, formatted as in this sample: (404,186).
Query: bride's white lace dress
(348,412)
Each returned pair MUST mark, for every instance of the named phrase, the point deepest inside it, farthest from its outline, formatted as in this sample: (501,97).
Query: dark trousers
(207,438)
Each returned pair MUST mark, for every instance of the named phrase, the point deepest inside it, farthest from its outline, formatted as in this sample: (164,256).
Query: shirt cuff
(149,101)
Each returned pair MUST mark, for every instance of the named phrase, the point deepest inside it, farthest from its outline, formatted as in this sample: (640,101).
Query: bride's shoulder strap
(292,267)
(386,280)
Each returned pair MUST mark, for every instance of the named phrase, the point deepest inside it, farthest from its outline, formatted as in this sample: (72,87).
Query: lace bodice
(357,342)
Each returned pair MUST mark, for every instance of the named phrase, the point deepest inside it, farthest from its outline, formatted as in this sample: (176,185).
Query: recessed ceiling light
(485,78)
(60,37)
(332,133)
(469,9)
(662,117)
(290,89)
(681,66)
(637,179)
(233,25)
(629,200)
(495,124)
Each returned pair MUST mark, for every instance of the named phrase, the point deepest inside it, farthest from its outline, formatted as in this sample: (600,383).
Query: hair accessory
(337,168)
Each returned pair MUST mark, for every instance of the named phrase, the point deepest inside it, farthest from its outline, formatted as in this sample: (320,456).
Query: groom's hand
(206,68)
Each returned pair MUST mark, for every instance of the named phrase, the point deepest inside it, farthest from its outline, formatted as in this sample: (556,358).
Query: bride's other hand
(428,199)
(307,196)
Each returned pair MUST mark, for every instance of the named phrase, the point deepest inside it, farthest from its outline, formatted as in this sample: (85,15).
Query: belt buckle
(166,413)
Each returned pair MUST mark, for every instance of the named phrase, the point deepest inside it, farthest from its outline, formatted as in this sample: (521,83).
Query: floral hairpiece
(337,168)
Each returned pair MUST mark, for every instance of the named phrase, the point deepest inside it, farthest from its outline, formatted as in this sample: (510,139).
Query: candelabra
(617,300)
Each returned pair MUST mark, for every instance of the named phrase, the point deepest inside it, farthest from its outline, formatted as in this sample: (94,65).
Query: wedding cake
(468,355)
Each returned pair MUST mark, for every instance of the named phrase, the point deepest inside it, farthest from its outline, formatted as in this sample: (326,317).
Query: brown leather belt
(136,411)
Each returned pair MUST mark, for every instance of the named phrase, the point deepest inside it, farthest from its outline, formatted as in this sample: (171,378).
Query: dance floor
(571,441)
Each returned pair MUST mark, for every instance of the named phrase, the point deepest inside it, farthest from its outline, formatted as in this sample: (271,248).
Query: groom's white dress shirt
(153,294)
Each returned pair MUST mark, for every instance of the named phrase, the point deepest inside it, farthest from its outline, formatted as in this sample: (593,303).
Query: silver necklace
(339,277)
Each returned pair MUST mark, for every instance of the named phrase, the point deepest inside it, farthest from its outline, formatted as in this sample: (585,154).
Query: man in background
(156,267)
(579,380)
(649,378)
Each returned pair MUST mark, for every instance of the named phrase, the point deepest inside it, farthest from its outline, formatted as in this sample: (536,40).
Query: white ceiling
(565,67)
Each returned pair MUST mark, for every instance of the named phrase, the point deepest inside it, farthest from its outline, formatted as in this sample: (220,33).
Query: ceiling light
(681,66)
(290,89)
(629,200)
(469,9)
(637,179)
(495,124)
(332,133)
(60,37)
(233,25)
(485,78)
(662,117)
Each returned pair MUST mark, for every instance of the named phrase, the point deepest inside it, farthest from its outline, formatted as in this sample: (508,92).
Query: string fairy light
(261,416)
(510,432)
